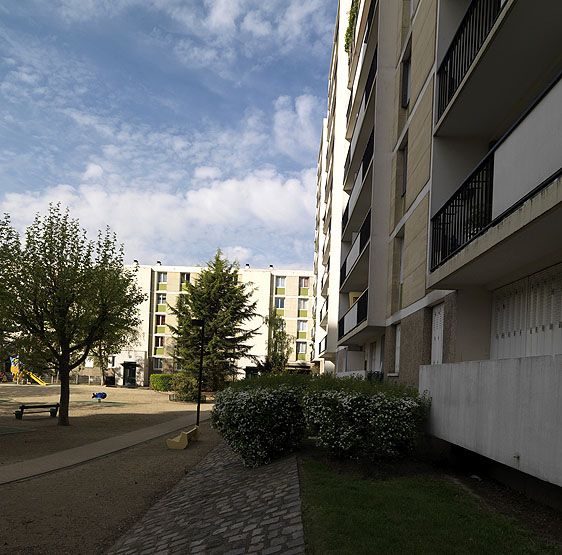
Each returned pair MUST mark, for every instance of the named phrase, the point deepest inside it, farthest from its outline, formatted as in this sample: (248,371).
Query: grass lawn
(344,513)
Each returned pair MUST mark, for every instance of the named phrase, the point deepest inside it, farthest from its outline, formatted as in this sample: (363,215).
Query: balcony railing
(322,345)
(464,215)
(356,314)
(357,248)
(469,38)
(345,216)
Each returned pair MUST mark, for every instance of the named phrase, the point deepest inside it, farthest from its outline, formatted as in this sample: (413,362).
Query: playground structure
(21,374)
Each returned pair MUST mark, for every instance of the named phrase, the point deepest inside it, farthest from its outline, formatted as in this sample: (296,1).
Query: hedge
(261,418)
(259,424)
(161,382)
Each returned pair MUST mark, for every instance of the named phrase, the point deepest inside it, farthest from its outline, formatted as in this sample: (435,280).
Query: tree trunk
(64,375)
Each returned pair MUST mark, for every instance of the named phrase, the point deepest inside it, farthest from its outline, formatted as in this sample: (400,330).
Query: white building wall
(507,410)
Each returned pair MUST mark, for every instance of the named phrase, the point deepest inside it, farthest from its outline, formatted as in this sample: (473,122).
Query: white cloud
(207,172)
(297,124)
(93,171)
(187,227)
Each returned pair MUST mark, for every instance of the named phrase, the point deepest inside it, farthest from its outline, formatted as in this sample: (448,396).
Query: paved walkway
(70,457)
(220,507)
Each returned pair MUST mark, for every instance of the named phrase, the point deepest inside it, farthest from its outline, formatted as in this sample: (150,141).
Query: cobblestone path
(222,507)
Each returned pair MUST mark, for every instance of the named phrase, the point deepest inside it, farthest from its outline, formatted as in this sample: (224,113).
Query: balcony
(356,314)
(469,38)
(322,346)
(325,282)
(358,204)
(326,250)
(525,161)
(490,70)
(324,315)
(354,271)
(362,164)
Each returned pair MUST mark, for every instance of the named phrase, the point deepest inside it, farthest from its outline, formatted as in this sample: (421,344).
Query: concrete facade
(163,285)
(462,257)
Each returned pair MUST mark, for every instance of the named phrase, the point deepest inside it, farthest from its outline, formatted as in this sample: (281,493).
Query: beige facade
(291,289)
(451,249)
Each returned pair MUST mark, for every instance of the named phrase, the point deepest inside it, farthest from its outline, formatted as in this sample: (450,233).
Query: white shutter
(437,334)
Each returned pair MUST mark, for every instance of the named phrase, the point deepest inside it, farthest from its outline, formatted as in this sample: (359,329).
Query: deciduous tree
(61,294)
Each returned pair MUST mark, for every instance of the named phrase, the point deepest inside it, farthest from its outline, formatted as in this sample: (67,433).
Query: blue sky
(184,125)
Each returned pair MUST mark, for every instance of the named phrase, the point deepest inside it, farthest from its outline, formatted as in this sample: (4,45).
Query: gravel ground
(86,508)
(123,411)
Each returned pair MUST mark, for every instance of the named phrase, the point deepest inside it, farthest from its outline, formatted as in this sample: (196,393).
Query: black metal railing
(343,271)
(371,77)
(361,315)
(349,105)
(367,155)
(345,216)
(365,233)
(322,345)
(464,215)
(471,34)
(362,303)
(347,161)
(364,236)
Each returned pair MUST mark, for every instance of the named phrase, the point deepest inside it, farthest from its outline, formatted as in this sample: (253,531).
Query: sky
(184,125)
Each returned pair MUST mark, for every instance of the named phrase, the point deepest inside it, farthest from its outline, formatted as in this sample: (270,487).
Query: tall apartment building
(329,199)
(287,292)
(451,267)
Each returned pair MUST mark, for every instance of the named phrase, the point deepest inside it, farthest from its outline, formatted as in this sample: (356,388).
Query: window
(279,302)
(301,348)
(184,277)
(279,281)
(303,304)
(160,320)
(158,341)
(157,364)
(161,298)
(162,277)
(303,282)
(302,325)
(406,76)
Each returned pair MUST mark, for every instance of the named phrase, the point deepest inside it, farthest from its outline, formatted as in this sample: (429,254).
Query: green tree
(226,307)
(61,294)
(279,345)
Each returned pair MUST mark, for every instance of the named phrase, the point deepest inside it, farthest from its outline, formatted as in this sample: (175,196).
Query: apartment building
(329,199)
(287,292)
(451,267)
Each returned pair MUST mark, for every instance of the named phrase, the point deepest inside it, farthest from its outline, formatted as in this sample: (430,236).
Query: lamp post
(201,324)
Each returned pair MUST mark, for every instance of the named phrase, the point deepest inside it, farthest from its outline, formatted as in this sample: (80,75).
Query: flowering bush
(354,425)
(259,424)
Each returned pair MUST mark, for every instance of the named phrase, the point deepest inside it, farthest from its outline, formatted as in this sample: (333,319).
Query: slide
(36,378)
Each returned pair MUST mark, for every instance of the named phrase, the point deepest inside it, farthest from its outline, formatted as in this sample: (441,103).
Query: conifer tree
(226,307)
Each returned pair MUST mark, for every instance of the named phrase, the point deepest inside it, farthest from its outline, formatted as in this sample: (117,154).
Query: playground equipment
(20,373)
(99,396)
(182,441)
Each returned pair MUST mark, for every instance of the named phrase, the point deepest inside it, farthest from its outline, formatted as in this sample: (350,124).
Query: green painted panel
(279,290)
(280,311)
(301,356)
(162,286)
(160,350)
(302,335)
(162,308)
(160,329)
(303,313)
(303,291)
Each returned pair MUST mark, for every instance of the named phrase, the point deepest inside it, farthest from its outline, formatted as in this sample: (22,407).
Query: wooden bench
(52,409)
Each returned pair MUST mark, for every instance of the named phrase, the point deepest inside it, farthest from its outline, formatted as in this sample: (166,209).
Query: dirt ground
(123,411)
(84,509)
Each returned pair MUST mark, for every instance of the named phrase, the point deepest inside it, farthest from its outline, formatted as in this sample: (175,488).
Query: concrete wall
(530,154)
(507,410)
